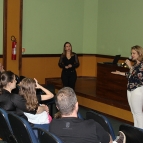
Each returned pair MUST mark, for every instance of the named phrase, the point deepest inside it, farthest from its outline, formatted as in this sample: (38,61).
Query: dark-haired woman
(13,102)
(68,62)
(9,101)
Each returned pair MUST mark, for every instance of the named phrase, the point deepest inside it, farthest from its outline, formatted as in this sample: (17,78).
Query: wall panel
(1,27)
(47,67)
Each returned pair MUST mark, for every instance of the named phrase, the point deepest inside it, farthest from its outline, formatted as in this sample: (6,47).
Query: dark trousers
(69,78)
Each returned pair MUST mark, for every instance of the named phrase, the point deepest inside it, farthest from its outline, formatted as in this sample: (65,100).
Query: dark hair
(64,51)
(5,78)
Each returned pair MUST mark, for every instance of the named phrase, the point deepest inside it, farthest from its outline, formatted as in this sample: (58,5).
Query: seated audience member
(13,102)
(57,115)
(16,89)
(28,91)
(1,68)
(71,129)
(9,101)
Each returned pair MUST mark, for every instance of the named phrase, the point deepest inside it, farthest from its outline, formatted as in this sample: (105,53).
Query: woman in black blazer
(68,62)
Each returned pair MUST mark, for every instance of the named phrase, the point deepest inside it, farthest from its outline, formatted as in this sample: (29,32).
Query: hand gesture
(46,107)
(66,67)
(116,72)
(128,63)
(69,65)
(37,84)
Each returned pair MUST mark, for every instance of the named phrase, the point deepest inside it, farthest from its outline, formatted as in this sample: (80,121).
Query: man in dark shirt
(71,129)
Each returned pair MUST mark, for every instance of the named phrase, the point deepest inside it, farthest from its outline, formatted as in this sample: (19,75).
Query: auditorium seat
(102,120)
(133,134)
(51,102)
(79,116)
(22,129)
(46,137)
(6,133)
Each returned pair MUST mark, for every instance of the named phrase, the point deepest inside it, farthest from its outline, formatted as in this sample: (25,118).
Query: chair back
(79,116)
(133,134)
(6,133)
(17,78)
(50,102)
(102,120)
(51,88)
(21,77)
(47,137)
(22,129)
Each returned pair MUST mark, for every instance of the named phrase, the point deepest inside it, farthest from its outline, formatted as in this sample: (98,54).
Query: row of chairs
(133,134)
(14,129)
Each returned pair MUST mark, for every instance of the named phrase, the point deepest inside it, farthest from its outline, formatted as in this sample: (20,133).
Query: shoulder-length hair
(139,50)
(28,91)
(64,51)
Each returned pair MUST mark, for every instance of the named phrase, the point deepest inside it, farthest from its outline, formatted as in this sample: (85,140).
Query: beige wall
(47,67)
(12,27)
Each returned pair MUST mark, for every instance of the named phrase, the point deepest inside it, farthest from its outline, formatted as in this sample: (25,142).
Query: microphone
(129,58)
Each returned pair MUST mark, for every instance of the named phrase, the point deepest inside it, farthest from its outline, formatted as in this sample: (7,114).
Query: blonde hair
(139,50)
(28,91)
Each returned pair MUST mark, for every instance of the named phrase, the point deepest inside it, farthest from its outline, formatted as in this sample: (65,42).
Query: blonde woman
(135,84)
